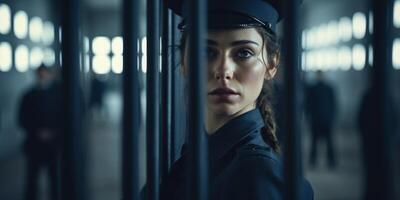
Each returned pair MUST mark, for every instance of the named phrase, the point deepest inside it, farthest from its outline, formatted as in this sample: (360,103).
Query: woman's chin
(223,109)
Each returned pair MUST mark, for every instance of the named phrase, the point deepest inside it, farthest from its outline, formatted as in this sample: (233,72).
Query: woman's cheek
(253,77)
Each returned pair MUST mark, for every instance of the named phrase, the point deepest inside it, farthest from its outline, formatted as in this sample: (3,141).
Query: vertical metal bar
(72,156)
(382,40)
(291,52)
(131,112)
(166,92)
(153,96)
(173,64)
(198,150)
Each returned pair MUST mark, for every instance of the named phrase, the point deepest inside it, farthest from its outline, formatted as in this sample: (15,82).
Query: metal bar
(131,112)
(291,52)
(198,150)
(153,96)
(166,92)
(382,39)
(174,127)
(72,181)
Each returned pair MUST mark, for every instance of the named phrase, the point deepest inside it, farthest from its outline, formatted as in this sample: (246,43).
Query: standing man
(321,109)
(39,116)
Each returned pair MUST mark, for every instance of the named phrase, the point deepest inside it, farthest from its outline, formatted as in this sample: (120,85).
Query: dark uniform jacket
(242,165)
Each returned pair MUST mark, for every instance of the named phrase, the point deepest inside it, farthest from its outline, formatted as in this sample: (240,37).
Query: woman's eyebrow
(242,42)
(235,43)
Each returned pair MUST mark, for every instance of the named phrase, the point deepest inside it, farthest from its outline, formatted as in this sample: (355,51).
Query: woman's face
(237,67)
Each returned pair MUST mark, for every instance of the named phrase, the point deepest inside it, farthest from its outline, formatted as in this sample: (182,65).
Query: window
(6,56)
(321,35)
(5,19)
(101,64)
(396,53)
(86,48)
(359,55)
(117,59)
(344,58)
(22,58)
(49,57)
(311,38)
(345,29)
(21,24)
(370,55)
(359,25)
(101,48)
(48,33)
(332,33)
(36,57)
(35,29)
(101,45)
(396,14)
(144,55)
(117,45)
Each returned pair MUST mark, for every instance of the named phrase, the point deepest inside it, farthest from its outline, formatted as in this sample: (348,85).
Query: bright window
(344,58)
(87,63)
(5,19)
(144,55)
(48,33)
(370,55)
(36,57)
(311,38)
(322,35)
(396,53)
(21,24)
(22,58)
(49,57)
(304,39)
(359,56)
(101,64)
(6,56)
(345,29)
(101,45)
(117,64)
(86,45)
(359,25)
(35,29)
(396,14)
(117,45)
(332,32)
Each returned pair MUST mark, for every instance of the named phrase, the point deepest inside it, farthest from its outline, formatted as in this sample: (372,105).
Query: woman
(242,58)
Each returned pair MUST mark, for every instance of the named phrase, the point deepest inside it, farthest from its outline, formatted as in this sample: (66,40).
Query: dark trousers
(322,133)
(34,165)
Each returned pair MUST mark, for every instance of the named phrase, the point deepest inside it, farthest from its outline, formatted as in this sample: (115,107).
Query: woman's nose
(224,69)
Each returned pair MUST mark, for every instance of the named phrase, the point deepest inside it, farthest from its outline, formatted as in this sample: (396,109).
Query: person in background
(321,110)
(39,115)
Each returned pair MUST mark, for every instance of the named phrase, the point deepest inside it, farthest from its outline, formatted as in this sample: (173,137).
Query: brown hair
(264,100)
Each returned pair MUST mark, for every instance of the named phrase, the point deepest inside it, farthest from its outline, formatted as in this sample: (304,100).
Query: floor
(342,183)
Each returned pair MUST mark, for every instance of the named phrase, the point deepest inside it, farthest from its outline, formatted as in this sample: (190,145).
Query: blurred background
(336,61)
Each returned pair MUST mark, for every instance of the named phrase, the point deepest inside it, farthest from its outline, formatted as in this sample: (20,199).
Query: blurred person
(97,89)
(39,116)
(321,111)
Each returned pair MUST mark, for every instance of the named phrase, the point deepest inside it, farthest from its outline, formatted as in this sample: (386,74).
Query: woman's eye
(244,54)
(211,53)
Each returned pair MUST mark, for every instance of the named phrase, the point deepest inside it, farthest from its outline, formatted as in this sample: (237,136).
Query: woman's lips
(223,94)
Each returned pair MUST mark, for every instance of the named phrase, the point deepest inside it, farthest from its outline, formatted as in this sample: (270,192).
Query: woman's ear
(270,73)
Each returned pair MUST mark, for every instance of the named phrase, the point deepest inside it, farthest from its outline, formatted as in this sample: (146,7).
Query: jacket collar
(233,132)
